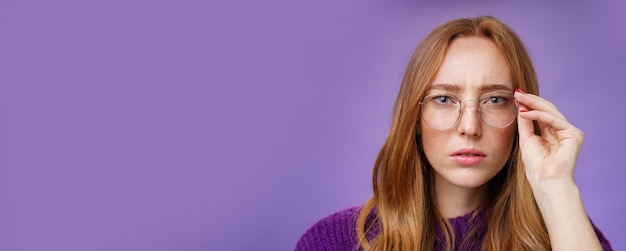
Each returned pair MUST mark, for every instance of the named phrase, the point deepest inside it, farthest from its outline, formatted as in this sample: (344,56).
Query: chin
(470,184)
(467,180)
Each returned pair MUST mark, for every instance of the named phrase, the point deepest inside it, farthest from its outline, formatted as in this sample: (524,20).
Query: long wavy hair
(402,214)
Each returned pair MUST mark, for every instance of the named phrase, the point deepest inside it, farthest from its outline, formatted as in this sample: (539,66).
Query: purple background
(195,125)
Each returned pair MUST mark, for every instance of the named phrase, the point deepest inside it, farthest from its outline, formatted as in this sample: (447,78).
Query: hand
(549,162)
(551,156)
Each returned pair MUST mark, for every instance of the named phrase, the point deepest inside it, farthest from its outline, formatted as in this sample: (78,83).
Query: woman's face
(470,152)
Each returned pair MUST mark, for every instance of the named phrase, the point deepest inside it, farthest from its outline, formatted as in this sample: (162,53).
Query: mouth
(469,152)
(468,157)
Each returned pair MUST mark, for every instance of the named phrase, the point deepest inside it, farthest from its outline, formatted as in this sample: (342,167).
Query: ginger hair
(402,213)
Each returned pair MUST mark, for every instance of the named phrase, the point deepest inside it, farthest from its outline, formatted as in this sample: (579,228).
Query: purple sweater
(337,232)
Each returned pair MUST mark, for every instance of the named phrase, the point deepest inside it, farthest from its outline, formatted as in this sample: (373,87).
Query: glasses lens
(498,109)
(441,111)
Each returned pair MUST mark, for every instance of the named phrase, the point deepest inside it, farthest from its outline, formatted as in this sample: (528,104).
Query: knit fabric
(338,232)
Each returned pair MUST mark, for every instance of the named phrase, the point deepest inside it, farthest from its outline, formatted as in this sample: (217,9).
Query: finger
(534,102)
(546,119)
(525,126)
(549,135)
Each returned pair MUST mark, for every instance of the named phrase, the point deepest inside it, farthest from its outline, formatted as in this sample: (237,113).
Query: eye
(442,99)
(496,99)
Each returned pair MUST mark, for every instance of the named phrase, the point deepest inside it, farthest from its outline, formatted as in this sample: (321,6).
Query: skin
(471,67)
(471,64)
(549,162)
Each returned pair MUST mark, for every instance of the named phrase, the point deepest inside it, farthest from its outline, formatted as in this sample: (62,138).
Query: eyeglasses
(441,111)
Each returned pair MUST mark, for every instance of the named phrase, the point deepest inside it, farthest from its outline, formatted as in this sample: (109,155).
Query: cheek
(510,135)
(506,138)
(432,141)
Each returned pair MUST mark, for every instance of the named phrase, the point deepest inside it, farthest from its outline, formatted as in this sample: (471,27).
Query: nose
(469,121)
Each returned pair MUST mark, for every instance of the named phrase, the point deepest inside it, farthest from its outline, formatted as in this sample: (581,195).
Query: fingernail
(522,110)
(520,90)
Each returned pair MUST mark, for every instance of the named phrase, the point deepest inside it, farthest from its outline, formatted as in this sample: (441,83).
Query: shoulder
(606,245)
(334,232)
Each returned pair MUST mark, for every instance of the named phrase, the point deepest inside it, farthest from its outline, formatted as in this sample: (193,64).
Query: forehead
(473,63)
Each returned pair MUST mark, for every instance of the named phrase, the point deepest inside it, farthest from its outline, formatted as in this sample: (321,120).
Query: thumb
(525,127)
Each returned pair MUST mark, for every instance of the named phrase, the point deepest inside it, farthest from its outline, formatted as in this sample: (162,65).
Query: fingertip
(525,126)
(518,94)
(522,108)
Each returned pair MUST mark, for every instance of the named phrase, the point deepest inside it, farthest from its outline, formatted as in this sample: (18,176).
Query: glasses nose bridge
(470,100)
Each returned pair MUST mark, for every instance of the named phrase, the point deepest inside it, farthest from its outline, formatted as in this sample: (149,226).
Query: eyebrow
(445,87)
(495,87)
(486,87)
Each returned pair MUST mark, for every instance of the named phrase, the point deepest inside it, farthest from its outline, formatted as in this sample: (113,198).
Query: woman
(474,160)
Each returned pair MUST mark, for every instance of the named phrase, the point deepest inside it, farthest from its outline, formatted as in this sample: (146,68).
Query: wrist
(542,184)
(555,193)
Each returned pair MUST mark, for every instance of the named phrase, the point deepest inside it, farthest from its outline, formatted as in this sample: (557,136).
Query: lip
(468,156)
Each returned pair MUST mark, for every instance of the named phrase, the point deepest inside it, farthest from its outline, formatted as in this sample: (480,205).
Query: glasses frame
(460,108)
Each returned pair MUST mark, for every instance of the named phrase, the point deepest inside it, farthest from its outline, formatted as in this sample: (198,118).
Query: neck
(454,201)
